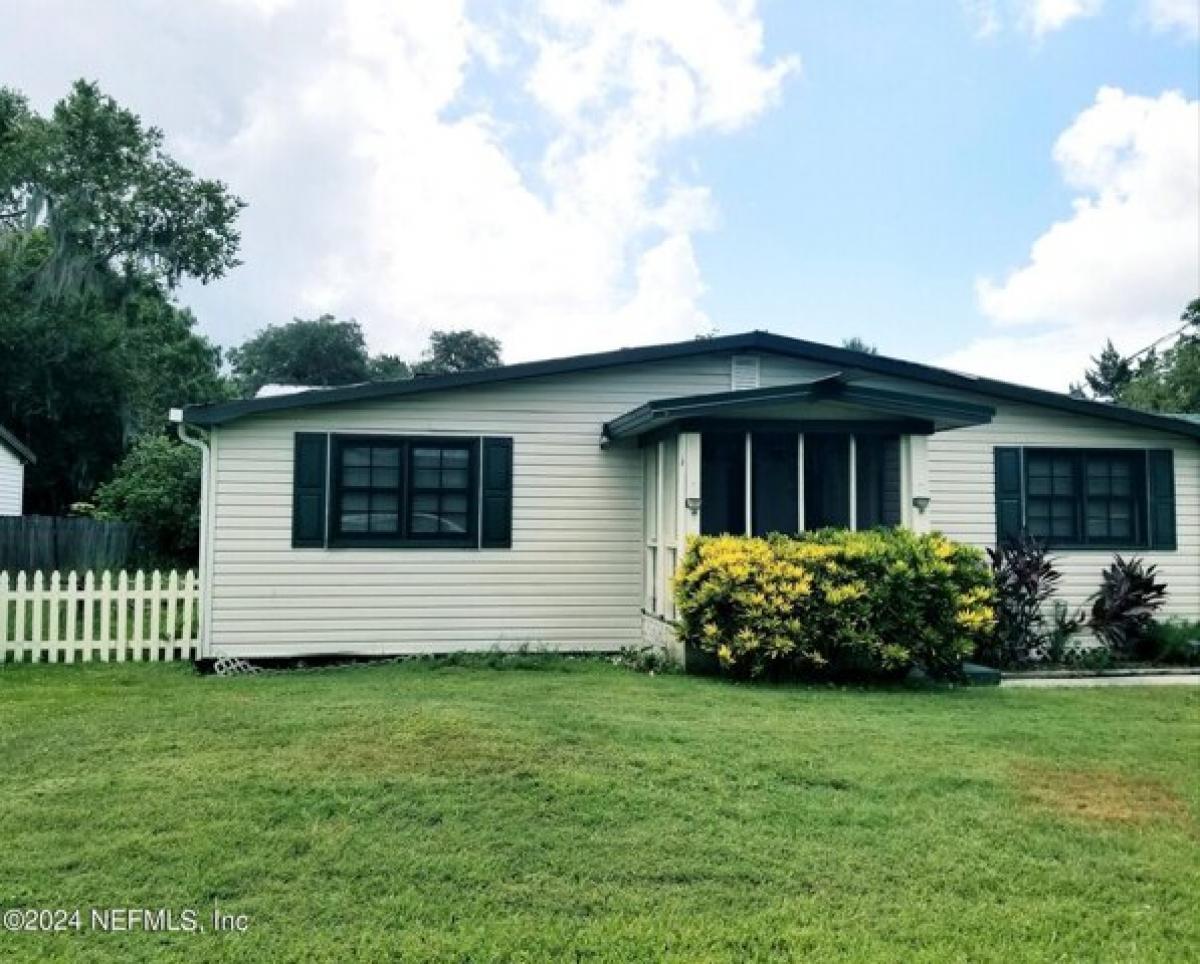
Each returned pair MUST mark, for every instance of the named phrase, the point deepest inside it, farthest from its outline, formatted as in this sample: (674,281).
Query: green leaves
(834,602)
(110,199)
(320,351)
(326,351)
(97,224)
(458,351)
(156,488)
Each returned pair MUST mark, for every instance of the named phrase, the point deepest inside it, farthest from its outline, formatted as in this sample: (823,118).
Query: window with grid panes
(401,491)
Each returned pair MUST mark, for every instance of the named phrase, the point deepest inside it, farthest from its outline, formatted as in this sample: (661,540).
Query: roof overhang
(827,400)
(14,445)
(754,341)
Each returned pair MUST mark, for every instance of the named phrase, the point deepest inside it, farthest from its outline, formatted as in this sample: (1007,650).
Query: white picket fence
(64,618)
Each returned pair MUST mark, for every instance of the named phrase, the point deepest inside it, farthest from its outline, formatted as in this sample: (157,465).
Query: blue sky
(994,185)
(910,157)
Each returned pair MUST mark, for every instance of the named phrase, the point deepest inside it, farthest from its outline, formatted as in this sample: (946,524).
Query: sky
(996,186)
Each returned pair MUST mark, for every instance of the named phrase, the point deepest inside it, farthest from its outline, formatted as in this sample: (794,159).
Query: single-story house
(14,456)
(547,503)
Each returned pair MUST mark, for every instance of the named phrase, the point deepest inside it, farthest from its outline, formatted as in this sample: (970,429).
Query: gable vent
(744,373)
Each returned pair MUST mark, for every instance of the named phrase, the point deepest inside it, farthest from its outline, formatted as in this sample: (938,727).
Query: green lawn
(581,811)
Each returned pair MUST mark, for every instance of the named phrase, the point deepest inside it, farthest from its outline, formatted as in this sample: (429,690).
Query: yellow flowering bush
(834,602)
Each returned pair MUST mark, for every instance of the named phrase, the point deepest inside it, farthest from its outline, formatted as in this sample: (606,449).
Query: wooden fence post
(122,639)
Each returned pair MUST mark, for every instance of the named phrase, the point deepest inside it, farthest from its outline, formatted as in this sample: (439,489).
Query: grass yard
(574,810)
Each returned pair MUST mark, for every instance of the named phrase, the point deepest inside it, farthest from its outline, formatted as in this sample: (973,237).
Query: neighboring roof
(273,389)
(940,413)
(14,445)
(219,414)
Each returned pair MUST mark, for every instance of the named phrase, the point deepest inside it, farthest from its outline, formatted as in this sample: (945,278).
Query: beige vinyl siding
(572,580)
(962,483)
(12,482)
(574,576)
(962,486)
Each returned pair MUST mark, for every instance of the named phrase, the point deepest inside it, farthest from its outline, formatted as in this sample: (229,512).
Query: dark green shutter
(495,531)
(1009,517)
(1160,474)
(308,490)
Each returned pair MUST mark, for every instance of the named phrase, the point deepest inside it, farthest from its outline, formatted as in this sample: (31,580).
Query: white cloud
(1040,18)
(420,165)
(1181,15)
(1037,17)
(1125,261)
(1046,16)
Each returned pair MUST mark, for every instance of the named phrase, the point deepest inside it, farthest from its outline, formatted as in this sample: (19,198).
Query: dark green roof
(760,341)
(939,413)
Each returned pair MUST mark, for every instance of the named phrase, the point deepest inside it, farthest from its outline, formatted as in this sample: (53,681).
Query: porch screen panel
(722,483)
(877,474)
(826,480)
(776,495)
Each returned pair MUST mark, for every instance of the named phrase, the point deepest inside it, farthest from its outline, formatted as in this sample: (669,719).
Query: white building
(13,458)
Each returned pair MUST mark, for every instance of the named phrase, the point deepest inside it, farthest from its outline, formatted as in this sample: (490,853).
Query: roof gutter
(200,441)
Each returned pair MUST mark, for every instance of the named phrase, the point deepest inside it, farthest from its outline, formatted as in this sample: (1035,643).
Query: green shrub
(1175,641)
(834,602)
(156,489)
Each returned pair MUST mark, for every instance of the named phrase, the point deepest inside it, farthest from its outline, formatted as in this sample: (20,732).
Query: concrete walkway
(1175,679)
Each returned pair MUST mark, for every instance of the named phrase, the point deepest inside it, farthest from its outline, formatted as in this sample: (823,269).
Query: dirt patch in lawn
(1104,796)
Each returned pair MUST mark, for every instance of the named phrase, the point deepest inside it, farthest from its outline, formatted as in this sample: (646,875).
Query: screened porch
(786,459)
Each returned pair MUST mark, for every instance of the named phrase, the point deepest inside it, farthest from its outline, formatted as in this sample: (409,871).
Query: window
(1052,496)
(877,480)
(723,483)
(775,477)
(395,491)
(826,480)
(440,493)
(370,489)
(1086,497)
(777,501)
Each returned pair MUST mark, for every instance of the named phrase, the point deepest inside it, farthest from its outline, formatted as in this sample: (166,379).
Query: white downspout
(200,442)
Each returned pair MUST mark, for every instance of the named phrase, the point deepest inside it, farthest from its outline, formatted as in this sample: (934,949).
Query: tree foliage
(1161,382)
(156,489)
(387,368)
(113,203)
(1107,378)
(1170,382)
(317,351)
(458,351)
(97,224)
(858,344)
(326,351)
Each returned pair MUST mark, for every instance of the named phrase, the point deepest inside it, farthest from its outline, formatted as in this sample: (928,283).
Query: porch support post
(688,484)
(687,520)
(660,535)
(917,476)
(749,510)
(853,475)
(800,482)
